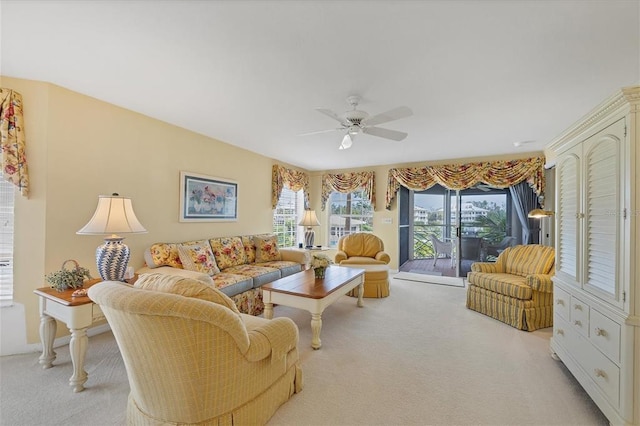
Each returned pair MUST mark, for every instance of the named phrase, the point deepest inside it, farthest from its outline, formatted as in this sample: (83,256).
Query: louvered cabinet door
(603,213)
(568,206)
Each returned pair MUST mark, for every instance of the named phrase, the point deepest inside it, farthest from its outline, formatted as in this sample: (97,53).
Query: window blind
(7,193)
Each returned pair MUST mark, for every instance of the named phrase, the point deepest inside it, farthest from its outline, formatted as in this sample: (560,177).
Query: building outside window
(286,217)
(349,213)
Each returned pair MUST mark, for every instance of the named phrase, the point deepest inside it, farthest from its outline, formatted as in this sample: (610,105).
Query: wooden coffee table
(304,291)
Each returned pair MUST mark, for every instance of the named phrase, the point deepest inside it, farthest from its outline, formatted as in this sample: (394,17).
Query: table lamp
(309,219)
(114,215)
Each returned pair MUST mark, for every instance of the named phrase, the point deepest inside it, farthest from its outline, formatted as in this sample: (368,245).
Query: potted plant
(319,263)
(68,278)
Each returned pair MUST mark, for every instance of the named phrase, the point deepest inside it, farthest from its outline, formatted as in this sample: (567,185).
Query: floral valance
(349,182)
(295,179)
(12,142)
(500,174)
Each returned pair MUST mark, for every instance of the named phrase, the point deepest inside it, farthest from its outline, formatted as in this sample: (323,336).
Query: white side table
(78,313)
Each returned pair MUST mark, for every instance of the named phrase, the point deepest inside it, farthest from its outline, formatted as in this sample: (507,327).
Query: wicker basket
(68,278)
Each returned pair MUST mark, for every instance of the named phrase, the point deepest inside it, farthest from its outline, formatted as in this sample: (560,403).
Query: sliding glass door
(470,221)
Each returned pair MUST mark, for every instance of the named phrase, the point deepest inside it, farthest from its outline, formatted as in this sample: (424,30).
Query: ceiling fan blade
(333,115)
(385,117)
(385,133)
(320,131)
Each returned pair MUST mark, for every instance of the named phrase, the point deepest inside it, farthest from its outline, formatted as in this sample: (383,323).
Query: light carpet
(417,357)
(430,279)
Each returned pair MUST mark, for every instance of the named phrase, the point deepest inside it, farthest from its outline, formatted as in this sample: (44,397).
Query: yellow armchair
(517,288)
(360,249)
(366,251)
(191,357)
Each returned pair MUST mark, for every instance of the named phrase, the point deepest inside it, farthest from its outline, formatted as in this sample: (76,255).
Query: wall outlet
(387,220)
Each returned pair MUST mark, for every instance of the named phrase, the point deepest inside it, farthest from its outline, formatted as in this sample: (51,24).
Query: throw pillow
(185,287)
(267,248)
(161,254)
(199,258)
(228,251)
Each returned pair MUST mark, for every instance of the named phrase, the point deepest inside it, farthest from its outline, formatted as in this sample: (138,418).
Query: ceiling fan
(355,121)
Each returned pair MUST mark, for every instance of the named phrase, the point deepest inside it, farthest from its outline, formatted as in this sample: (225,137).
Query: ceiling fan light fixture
(347,141)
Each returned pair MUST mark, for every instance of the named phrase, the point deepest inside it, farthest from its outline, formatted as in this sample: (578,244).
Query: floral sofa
(517,288)
(238,266)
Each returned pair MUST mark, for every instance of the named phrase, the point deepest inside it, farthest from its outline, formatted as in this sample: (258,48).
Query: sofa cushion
(228,251)
(185,287)
(249,248)
(507,284)
(266,248)
(199,258)
(163,254)
(528,259)
(166,254)
(260,274)
(232,284)
(286,267)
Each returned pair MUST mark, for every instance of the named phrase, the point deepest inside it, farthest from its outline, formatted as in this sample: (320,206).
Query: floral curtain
(12,142)
(296,181)
(349,182)
(501,174)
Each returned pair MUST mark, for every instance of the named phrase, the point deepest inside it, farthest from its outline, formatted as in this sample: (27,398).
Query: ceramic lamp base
(112,259)
(309,236)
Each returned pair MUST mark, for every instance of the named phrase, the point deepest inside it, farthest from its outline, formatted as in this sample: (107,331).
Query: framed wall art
(207,199)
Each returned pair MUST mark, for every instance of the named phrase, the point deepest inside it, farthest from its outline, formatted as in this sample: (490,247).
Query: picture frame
(207,199)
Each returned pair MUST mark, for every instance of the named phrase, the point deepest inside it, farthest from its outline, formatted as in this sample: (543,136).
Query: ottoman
(376,280)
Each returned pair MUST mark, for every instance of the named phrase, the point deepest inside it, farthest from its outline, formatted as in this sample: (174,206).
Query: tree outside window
(349,213)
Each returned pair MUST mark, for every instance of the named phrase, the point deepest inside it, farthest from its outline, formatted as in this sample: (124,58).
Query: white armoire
(596,324)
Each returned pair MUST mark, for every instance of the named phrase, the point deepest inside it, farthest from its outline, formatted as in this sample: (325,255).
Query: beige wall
(79,147)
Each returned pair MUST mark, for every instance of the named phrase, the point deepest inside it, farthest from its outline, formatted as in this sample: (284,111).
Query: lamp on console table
(309,219)
(114,215)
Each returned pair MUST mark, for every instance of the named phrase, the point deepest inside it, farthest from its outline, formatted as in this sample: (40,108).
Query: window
(7,192)
(285,217)
(349,213)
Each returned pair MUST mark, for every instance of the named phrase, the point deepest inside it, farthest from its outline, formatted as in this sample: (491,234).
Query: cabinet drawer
(561,303)
(605,335)
(563,333)
(580,316)
(601,370)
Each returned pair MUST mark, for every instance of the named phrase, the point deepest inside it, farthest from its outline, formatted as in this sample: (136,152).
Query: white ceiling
(478,75)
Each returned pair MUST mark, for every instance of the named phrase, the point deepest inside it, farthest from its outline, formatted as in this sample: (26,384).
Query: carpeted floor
(418,357)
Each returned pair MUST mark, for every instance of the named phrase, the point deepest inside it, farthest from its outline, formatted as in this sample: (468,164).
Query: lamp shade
(539,213)
(114,215)
(309,219)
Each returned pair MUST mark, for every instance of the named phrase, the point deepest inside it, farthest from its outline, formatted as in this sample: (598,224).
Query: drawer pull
(578,323)
(600,332)
(560,332)
(560,302)
(600,373)
(577,307)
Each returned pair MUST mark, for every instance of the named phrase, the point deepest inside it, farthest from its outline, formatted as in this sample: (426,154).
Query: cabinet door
(603,218)
(568,207)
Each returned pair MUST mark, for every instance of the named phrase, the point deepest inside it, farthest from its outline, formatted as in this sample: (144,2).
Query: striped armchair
(191,357)
(517,288)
